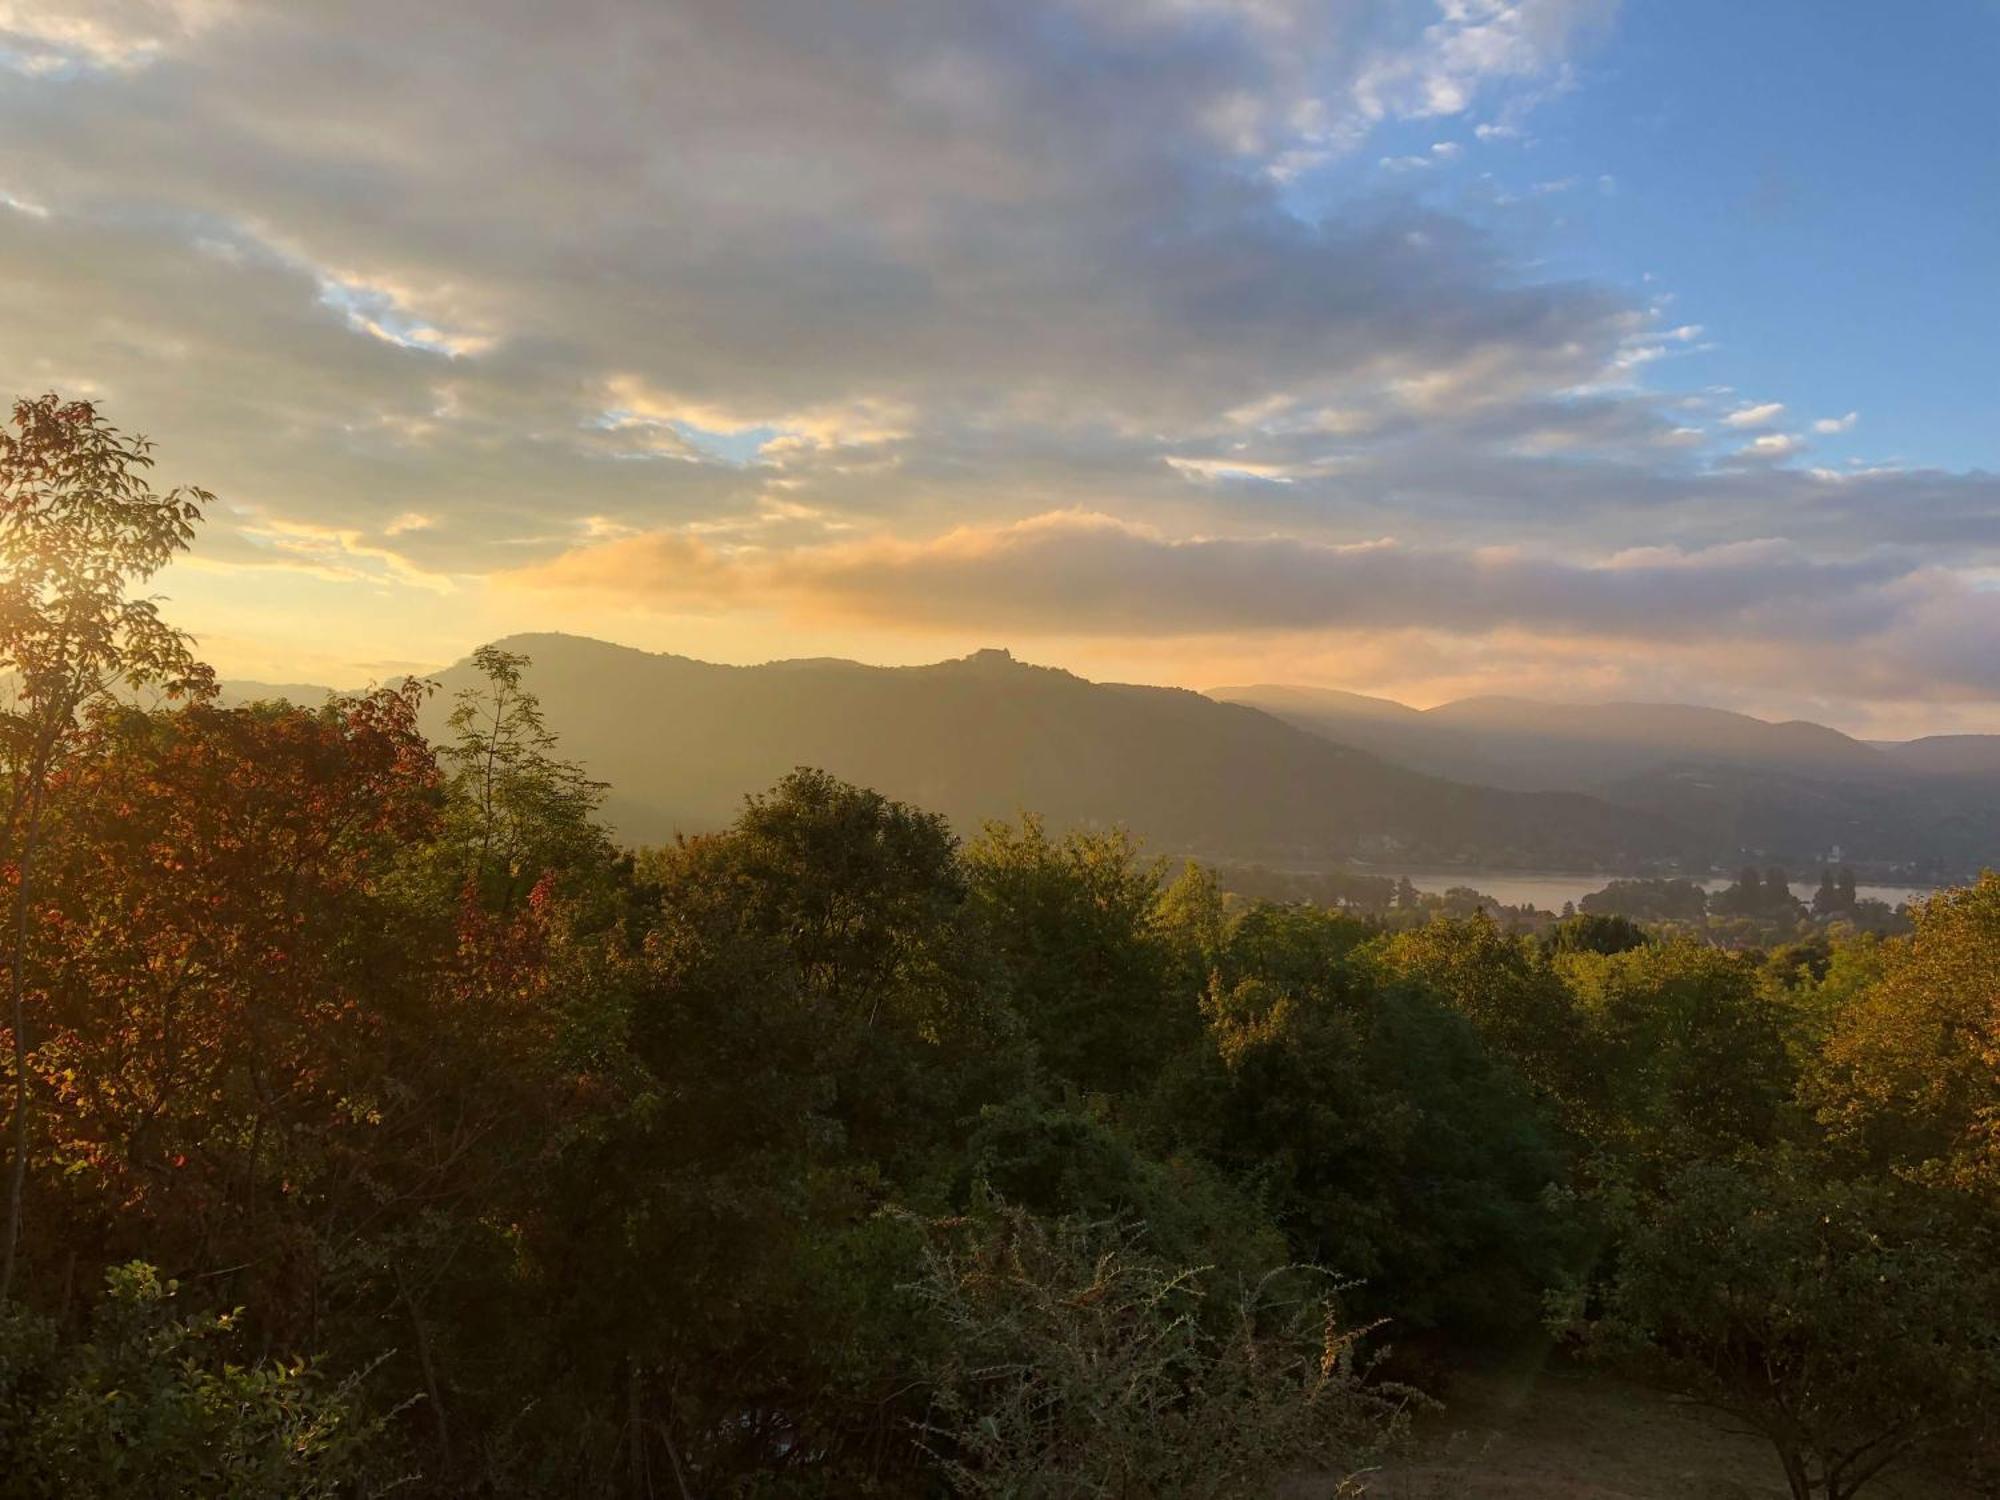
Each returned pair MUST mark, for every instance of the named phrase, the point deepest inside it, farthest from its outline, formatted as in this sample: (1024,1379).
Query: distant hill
(681,741)
(1536,746)
(1321,703)
(235,693)
(1949,754)
(1743,787)
(1274,774)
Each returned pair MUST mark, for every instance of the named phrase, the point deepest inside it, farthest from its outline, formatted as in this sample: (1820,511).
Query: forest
(378,1124)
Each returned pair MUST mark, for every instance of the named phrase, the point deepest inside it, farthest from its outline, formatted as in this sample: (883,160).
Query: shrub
(151,1406)
(1078,1366)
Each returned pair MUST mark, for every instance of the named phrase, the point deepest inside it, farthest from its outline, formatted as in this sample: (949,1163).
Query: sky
(1415,347)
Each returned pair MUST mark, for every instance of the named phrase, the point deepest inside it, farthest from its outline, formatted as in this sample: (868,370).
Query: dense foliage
(382,1125)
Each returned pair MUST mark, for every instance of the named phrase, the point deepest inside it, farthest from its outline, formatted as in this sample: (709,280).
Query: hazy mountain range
(1794,791)
(1281,775)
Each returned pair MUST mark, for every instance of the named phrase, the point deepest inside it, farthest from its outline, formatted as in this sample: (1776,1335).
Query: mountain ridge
(1294,776)
(1792,791)
(986,736)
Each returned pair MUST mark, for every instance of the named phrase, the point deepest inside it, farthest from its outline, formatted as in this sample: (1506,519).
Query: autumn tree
(1908,1078)
(80,525)
(213,965)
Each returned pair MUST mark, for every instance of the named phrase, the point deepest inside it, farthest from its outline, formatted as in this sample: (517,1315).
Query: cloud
(1071,572)
(806,279)
(41,37)
(1769,447)
(1471,45)
(1761,414)
(1837,424)
(1882,626)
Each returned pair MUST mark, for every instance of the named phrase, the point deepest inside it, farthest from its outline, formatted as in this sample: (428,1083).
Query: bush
(1077,1366)
(151,1407)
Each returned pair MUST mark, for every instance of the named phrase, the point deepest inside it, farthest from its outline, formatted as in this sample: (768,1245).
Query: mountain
(236,693)
(1536,746)
(681,741)
(1914,827)
(1741,787)
(1271,774)
(1949,754)
(1313,702)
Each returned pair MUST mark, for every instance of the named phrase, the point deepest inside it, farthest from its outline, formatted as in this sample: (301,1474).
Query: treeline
(379,1126)
(1758,906)
(1758,909)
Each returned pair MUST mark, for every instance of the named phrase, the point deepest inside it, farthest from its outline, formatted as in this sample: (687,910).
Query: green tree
(1849,1323)
(805,1037)
(1594,932)
(152,1406)
(80,524)
(518,811)
(1388,1142)
(1691,1052)
(1521,1007)
(1658,900)
(1079,931)
(1777,887)
(1748,897)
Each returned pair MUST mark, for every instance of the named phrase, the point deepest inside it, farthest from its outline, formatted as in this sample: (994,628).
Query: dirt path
(1554,1430)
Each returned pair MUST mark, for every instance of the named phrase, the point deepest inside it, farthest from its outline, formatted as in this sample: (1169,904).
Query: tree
(1077,926)
(1669,900)
(807,1031)
(214,969)
(1594,932)
(1388,1141)
(1519,1004)
(1908,1078)
(1850,1324)
(80,524)
(1690,1051)
(154,1407)
(518,811)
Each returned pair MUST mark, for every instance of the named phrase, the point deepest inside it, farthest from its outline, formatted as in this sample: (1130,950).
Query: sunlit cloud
(1759,414)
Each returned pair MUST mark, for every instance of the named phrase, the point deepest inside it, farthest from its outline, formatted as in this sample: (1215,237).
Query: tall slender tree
(80,525)
(518,811)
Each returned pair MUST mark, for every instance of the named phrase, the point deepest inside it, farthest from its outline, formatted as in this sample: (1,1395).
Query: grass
(1551,1429)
